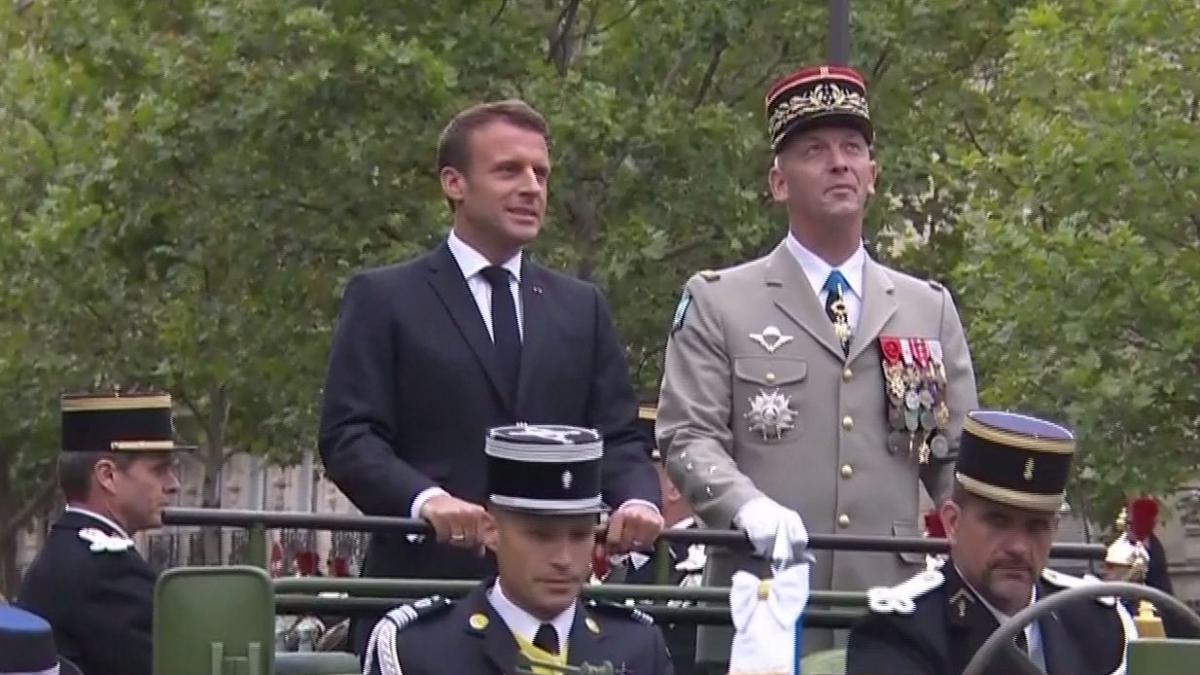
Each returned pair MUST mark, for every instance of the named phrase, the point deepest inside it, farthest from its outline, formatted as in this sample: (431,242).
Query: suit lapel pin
(771,339)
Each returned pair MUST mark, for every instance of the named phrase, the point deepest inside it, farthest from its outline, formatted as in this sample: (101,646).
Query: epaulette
(935,285)
(621,611)
(1068,581)
(404,615)
(709,275)
(901,599)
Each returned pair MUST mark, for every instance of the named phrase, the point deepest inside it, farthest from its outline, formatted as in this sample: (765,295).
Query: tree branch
(499,11)
(714,61)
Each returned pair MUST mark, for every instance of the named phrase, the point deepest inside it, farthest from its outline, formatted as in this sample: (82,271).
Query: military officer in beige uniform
(809,390)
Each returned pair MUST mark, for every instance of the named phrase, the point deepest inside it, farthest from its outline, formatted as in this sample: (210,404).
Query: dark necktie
(505,333)
(835,307)
(546,639)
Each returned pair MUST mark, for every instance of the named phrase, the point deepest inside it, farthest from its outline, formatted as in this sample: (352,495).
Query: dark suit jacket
(100,603)
(445,640)
(413,387)
(950,624)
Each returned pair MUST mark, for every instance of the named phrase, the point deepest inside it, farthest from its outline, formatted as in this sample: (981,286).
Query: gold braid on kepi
(116,420)
(817,96)
(1015,459)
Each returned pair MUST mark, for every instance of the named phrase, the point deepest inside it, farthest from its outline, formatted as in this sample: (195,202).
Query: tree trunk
(214,463)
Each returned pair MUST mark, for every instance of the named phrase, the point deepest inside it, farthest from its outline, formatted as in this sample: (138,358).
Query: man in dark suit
(116,471)
(431,353)
(544,493)
(1001,519)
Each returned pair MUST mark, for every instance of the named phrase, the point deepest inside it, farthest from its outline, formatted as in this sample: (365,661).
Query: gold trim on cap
(1021,500)
(143,445)
(648,412)
(131,402)
(1058,446)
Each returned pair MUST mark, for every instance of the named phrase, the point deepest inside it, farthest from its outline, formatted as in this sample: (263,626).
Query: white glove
(763,517)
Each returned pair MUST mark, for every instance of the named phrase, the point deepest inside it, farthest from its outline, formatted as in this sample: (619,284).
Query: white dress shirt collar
(104,519)
(525,624)
(471,261)
(817,270)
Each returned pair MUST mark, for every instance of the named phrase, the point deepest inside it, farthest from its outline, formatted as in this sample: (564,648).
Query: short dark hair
(454,145)
(75,471)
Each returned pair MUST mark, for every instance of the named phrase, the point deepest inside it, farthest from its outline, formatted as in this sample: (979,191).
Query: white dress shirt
(525,624)
(817,271)
(472,262)
(104,519)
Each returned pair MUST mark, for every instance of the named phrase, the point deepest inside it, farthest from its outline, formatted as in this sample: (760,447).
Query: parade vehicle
(221,620)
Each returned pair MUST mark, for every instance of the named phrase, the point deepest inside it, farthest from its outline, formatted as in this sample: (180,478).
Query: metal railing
(257,522)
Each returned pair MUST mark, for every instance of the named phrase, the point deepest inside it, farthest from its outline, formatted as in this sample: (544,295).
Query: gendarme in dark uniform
(536,472)
(934,623)
(89,582)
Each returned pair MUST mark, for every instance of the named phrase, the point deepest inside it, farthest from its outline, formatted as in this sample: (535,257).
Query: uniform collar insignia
(104,543)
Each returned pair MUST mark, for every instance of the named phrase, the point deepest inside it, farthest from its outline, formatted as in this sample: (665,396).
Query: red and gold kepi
(118,421)
(821,95)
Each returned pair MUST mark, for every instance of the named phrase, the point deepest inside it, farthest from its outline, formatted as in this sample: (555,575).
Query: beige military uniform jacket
(834,467)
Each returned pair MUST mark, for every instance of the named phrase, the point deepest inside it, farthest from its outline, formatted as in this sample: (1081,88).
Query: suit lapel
(535,324)
(794,296)
(447,280)
(499,645)
(586,641)
(879,304)
(970,621)
(1061,652)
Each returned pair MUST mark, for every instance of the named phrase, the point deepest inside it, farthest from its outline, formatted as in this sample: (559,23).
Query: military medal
(771,414)
(915,382)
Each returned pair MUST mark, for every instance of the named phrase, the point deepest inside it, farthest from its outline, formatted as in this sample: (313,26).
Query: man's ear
(491,536)
(454,183)
(951,514)
(104,473)
(874,178)
(777,181)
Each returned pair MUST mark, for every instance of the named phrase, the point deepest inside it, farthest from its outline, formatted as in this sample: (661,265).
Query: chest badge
(771,339)
(771,414)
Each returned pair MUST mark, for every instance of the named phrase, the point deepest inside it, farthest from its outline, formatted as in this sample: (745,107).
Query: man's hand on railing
(457,522)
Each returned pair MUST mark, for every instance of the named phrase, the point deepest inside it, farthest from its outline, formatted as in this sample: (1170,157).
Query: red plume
(934,528)
(1143,512)
(306,563)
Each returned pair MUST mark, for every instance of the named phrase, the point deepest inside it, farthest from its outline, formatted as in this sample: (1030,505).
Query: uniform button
(770,378)
(843,520)
(847,375)
(848,423)
(847,471)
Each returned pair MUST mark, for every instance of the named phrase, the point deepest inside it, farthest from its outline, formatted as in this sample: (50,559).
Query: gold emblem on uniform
(771,414)
(771,338)
(592,625)
(478,621)
(960,600)
(1028,473)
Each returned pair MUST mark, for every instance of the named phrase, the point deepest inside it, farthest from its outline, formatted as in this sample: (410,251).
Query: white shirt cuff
(632,502)
(424,496)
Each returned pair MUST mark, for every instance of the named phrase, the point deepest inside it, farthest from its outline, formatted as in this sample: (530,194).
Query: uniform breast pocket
(767,393)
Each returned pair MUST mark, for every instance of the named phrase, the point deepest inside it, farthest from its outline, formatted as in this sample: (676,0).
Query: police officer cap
(118,421)
(1015,459)
(27,645)
(545,469)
